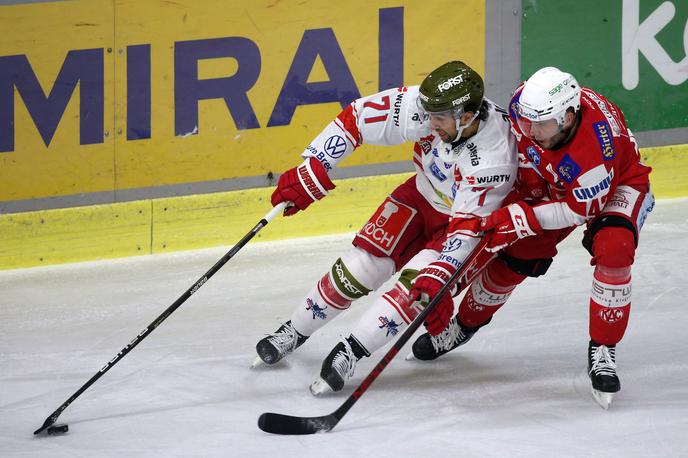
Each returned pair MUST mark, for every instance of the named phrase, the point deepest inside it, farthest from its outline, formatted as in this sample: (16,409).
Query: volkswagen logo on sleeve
(335,146)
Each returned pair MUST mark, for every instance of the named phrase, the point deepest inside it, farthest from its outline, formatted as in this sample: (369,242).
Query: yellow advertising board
(108,95)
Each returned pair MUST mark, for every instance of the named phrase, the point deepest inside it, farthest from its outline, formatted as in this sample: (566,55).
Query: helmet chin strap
(446,151)
(460,128)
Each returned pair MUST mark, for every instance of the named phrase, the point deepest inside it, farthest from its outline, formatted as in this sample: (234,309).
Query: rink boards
(206,220)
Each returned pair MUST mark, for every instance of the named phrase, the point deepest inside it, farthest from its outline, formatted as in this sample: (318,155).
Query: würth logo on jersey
(385,227)
(488,179)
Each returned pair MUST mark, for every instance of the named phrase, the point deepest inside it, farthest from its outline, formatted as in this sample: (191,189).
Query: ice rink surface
(518,389)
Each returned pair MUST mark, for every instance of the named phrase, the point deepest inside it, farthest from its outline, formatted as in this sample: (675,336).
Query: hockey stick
(47,425)
(277,423)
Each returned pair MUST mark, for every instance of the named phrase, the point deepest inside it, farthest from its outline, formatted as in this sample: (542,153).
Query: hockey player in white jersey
(466,164)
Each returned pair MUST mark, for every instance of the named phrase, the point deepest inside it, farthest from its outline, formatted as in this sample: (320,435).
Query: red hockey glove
(426,286)
(509,224)
(302,186)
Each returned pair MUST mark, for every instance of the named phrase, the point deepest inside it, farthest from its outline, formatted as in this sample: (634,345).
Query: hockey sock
(321,305)
(610,304)
(488,293)
(389,315)
(338,288)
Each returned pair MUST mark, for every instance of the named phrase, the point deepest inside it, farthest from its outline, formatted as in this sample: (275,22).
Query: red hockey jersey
(584,172)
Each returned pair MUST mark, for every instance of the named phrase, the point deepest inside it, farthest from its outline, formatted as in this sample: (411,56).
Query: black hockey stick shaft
(163,316)
(287,424)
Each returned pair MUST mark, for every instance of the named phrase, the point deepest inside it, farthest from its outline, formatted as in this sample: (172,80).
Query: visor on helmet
(454,113)
(538,129)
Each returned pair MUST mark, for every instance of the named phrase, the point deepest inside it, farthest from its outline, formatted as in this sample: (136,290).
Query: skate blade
(410,357)
(258,363)
(319,387)
(603,399)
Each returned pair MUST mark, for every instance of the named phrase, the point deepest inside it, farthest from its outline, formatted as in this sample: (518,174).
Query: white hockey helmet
(547,95)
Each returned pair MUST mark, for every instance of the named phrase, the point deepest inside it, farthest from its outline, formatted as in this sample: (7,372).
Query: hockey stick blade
(277,423)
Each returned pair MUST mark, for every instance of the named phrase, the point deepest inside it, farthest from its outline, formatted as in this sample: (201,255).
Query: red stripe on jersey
(347,118)
(418,162)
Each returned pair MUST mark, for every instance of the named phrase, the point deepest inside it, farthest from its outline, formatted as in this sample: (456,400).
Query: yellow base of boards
(206,220)
(179,223)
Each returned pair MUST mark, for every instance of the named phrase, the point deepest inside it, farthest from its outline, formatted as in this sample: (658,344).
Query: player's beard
(444,136)
(557,140)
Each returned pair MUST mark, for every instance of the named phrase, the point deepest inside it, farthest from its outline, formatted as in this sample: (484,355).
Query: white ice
(518,389)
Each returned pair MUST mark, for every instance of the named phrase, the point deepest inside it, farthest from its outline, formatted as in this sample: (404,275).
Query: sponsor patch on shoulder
(604,138)
(533,154)
(567,169)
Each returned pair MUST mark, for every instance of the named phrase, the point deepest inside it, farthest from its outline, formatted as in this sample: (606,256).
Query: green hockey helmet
(452,87)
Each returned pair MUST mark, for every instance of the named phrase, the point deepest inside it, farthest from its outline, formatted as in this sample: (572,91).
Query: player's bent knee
(614,247)
(357,266)
(526,267)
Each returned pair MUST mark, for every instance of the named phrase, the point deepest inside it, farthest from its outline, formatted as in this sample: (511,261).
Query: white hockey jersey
(473,186)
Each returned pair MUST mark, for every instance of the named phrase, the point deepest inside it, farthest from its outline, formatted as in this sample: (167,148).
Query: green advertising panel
(635,52)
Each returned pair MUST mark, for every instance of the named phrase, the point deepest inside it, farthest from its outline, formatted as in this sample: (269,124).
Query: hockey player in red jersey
(581,165)
(466,163)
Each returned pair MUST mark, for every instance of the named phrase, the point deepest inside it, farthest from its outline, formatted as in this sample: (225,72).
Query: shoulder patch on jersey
(595,184)
(533,154)
(567,169)
(604,138)
(513,106)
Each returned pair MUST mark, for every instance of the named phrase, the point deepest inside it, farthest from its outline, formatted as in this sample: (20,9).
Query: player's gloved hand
(509,224)
(302,186)
(426,286)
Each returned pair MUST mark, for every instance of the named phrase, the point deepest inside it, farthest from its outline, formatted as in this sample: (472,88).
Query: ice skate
(338,366)
(602,372)
(427,347)
(277,345)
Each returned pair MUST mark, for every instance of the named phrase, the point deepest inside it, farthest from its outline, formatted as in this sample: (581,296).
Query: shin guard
(488,293)
(610,298)
(610,304)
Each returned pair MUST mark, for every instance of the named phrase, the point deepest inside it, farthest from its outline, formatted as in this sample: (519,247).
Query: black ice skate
(427,347)
(339,366)
(602,372)
(277,345)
